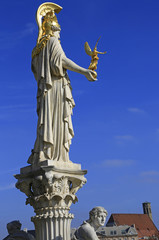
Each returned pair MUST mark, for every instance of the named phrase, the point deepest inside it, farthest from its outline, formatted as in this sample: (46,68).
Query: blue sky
(116,119)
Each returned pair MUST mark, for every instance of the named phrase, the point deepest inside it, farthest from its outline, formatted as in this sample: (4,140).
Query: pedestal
(51,189)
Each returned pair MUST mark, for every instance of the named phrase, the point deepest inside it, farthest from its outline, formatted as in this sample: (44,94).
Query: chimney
(147,209)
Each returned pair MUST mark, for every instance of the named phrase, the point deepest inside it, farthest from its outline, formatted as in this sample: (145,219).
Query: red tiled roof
(143,224)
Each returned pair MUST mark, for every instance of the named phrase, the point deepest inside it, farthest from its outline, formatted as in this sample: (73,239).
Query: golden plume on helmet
(46,19)
(47,23)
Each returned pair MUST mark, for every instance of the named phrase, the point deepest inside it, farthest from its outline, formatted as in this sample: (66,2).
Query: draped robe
(85,232)
(54,105)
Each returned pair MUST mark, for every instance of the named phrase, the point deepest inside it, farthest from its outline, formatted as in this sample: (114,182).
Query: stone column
(51,190)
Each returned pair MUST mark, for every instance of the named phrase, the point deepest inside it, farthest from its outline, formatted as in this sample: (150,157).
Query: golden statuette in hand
(94,55)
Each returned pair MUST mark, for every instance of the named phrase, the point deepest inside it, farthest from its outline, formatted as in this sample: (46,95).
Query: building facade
(123,232)
(145,227)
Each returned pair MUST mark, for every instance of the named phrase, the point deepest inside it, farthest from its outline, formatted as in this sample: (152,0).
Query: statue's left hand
(90,75)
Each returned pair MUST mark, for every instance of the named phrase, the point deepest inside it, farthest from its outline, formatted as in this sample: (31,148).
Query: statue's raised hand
(70,65)
(90,75)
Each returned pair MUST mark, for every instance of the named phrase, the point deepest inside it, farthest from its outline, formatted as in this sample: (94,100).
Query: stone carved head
(97,217)
(13,227)
(15,232)
(87,230)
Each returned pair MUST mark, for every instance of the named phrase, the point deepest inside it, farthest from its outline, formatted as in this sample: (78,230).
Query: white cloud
(151,177)
(5,114)
(135,110)
(6,107)
(29,29)
(152,173)
(9,110)
(124,137)
(117,163)
(8,171)
(7,187)
(78,92)
(11,39)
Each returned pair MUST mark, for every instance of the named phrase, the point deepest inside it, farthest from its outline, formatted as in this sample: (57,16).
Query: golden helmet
(46,18)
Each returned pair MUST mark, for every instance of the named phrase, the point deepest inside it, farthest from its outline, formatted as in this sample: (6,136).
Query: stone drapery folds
(54,105)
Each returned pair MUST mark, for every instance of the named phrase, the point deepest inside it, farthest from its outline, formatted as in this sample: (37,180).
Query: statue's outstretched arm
(70,65)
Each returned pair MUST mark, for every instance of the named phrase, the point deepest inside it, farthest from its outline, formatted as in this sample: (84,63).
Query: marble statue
(15,232)
(51,181)
(87,231)
(54,95)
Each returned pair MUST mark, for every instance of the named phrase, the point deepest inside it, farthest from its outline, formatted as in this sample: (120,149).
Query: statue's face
(99,219)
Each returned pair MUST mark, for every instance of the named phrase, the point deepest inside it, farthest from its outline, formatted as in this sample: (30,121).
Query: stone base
(56,165)
(50,189)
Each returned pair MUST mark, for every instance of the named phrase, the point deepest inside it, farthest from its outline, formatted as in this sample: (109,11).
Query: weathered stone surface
(15,232)
(51,191)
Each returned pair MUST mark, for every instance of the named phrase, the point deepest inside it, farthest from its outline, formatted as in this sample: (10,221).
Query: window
(114,232)
(111,232)
(123,232)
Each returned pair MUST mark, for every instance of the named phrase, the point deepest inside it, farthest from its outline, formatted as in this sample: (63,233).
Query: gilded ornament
(47,23)
(94,55)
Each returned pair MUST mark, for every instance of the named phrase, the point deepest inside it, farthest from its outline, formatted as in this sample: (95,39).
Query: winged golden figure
(94,55)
